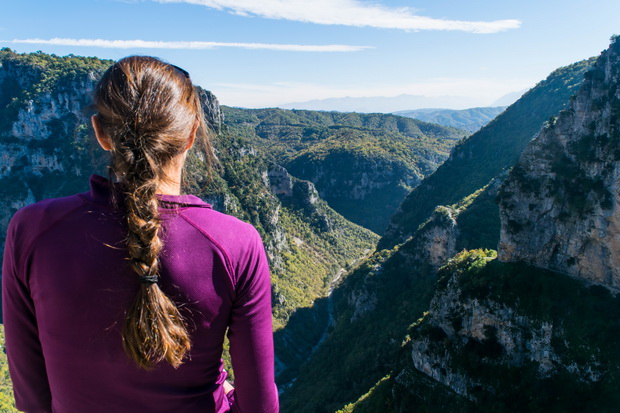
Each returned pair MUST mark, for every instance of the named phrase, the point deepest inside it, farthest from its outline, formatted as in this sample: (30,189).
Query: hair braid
(147,108)
(154,329)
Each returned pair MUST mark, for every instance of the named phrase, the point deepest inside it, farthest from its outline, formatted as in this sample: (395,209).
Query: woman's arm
(251,333)
(23,348)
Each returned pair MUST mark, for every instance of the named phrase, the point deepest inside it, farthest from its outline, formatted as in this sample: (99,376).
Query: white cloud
(349,13)
(146,44)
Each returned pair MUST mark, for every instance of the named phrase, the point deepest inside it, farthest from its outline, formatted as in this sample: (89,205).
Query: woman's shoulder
(46,212)
(29,222)
(224,228)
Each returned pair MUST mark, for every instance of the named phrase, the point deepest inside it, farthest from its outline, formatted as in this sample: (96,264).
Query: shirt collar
(100,193)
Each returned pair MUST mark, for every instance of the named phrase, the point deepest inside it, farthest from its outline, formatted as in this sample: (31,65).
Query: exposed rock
(211,109)
(435,241)
(560,207)
(279,181)
(458,326)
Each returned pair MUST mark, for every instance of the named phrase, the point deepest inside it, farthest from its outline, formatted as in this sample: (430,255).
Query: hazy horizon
(278,52)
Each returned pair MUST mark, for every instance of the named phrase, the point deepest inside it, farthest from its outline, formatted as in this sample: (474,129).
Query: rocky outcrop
(478,159)
(298,194)
(464,332)
(279,181)
(211,109)
(560,207)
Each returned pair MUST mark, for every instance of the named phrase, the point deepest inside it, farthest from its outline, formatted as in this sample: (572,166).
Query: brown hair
(148,109)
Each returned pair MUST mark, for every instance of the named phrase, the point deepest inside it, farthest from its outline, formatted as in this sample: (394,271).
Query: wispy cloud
(349,13)
(147,44)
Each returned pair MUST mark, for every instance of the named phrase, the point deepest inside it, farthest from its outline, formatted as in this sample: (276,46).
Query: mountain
(422,327)
(482,156)
(363,165)
(386,104)
(468,119)
(535,328)
(509,99)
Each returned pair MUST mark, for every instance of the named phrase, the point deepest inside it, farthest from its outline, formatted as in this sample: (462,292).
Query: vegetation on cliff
(467,119)
(475,161)
(363,165)
(578,369)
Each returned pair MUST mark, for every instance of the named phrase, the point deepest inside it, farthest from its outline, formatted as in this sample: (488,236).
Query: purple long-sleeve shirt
(66,287)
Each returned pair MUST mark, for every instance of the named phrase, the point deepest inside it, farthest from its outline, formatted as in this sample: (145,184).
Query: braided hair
(148,109)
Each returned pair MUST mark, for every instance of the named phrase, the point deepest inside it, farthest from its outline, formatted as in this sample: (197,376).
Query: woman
(118,299)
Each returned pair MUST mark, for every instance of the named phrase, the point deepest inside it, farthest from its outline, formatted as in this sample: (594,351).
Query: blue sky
(260,53)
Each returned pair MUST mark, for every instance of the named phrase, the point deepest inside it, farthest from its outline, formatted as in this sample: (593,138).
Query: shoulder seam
(29,248)
(218,245)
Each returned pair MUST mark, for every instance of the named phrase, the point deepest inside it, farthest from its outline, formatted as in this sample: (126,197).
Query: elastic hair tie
(149,279)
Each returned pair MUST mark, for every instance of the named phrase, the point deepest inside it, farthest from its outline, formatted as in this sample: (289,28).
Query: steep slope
(388,352)
(468,119)
(565,186)
(363,165)
(513,335)
(482,156)
(374,307)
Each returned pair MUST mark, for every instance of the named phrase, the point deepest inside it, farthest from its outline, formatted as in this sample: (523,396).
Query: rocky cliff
(535,332)
(509,337)
(560,206)
(478,159)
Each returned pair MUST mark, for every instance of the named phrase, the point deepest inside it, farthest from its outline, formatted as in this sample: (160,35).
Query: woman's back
(66,254)
(119,301)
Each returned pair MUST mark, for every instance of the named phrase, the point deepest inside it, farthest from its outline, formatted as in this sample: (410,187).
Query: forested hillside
(481,157)
(363,165)
(468,119)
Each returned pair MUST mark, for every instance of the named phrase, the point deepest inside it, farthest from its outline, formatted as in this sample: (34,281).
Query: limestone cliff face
(355,178)
(560,207)
(435,242)
(298,194)
(211,109)
(430,247)
(462,331)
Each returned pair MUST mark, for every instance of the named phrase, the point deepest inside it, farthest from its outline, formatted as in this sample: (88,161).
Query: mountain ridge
(472,119)
(386,104)
(499,144)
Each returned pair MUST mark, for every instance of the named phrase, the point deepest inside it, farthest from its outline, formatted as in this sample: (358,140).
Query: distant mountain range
(468,119)
(390,104)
